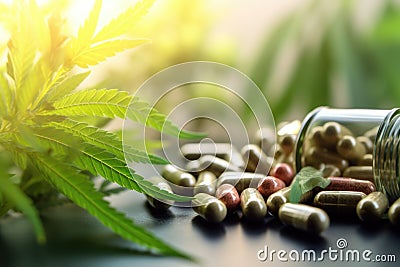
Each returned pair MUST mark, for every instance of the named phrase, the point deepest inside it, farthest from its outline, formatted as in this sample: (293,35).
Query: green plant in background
(45,140)
(323,54)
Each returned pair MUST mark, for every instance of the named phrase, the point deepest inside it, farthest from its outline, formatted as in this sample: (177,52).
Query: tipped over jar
(355,143)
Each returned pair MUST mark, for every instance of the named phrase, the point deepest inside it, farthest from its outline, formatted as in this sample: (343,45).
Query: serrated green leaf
(113,103)
(106,140)
(16,197)
(124,22)
(305,180)
(100,52)
(99,161)
(88,29)
(80,190)
(66,86)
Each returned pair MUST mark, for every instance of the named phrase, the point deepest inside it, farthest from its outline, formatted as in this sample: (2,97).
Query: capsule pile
(256,181)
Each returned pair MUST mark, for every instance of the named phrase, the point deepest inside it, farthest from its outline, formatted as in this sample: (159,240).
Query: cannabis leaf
(41,111)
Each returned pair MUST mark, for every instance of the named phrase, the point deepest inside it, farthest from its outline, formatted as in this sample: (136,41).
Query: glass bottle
(339,137)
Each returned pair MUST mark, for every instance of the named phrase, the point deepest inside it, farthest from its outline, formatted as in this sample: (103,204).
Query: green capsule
(240,180)
(178,177)
(394,213)
(256,160)
(304,217)
(159,204)
(253,204)
(206,183)
(372,207)
(338,202)
(276,200)
(209,207)
(216,165)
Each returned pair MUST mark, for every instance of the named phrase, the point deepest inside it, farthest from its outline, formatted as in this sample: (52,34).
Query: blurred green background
(301,54)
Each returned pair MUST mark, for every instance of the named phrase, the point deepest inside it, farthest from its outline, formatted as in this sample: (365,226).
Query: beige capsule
(360,172)
(277,199)
(329,170)
(367,143)
(366,160)
(315,156)
(338,202)
(265,138)
(235,158)
(349,148)
(372,207)
(256,160)
(371,134)
(178,177)
(216,165)
(206,183)
(209,207)
(240,180)
(332,132)
(304,217)
(194,151)
(394,213)
(287,143)
(159,204)
(253,205)
(316,138)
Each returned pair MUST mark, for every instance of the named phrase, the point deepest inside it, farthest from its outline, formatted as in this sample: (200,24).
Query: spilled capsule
(338,202)
(304,217)
(253,205)
(206,183)
(228,194)
(209,207)
(394,213)
(178,177)
(159,203)
(372,207)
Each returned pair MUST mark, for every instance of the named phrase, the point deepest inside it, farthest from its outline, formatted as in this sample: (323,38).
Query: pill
(265,138)
(270,185)
(315,136)
(289,128)
(349,184)
(338,202)
(287,142)
(372,207)
(284,172)
(276,200)
(193,151)
(349,148)
(253,204)
(315,156)
(371,134)
(282,196)
(304,217)
(193,166)
(178,177)
(256,160)
(216,165)
(209,207)
(228,194)
(328,170)
(332,132)
(206,183)
(159,204)
(366,160)
(235,158)
(394,213)
(360,172)
(240,180)
(367,143)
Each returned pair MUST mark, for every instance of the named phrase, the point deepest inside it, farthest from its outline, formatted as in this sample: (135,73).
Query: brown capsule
(367,143)
(394,213)
(315,156)
(159,204)
(304,217)
(372,207)
(360,172)
(316,138)
(178,177)
(349,184)
(284,172)
(270,185)
(206,183)
(329,170)
(338,202)
(349,148)
(366,160)
(287,142)
(216,165)
(228,194)
(256,159)
(240,180)
(332,132)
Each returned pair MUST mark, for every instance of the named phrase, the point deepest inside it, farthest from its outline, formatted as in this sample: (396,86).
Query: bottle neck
(386,163)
